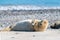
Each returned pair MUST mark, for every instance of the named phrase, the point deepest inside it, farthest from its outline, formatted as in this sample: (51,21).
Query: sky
(31,2)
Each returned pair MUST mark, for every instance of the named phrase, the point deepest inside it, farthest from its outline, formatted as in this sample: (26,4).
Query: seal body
(55,25)
(28,25)
(25,25)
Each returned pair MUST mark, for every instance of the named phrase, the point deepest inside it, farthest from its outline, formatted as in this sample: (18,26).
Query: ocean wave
(26,7)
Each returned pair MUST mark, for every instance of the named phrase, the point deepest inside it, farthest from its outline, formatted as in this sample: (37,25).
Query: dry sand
(17,35)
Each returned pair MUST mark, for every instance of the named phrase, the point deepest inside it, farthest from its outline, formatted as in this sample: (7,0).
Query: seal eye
(39,24)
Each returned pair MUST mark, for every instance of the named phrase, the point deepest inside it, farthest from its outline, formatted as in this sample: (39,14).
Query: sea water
(31,2)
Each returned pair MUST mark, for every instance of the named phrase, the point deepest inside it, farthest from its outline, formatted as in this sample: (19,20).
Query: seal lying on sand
(28,25)
(55,25)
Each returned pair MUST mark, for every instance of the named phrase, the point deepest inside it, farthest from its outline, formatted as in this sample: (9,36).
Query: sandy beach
(17,35)
(13,14)
(8,17)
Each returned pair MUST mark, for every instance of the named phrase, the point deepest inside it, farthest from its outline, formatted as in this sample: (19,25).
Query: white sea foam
(24,7)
